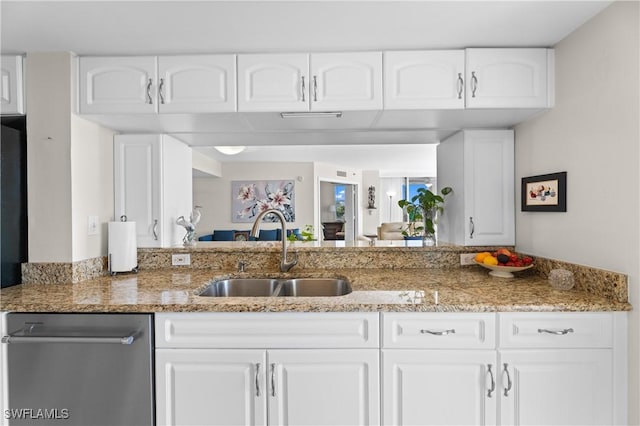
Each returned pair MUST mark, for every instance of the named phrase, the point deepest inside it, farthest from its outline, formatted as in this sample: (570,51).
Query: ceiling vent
(341,173)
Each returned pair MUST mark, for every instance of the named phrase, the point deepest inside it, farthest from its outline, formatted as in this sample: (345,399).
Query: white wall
(92,186)
(214,194)
(594,134)
(48,99)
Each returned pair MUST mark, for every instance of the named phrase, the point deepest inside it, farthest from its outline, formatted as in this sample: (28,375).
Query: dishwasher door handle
(126,340)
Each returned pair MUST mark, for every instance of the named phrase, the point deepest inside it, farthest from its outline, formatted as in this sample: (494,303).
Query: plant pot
(413,238)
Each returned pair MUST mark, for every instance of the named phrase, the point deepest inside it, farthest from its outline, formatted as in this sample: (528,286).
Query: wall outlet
(92,225)
(467,258)
(180,259)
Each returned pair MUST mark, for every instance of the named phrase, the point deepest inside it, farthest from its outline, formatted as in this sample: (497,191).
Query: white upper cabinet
(479,166)
(346,81)
(11,85)
(424,79)
(509,78)
(317,82)
(118,85)
(273,82)
(193,84)
(150,84)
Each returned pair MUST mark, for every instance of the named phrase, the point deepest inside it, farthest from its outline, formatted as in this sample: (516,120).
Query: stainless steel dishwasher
(79,369)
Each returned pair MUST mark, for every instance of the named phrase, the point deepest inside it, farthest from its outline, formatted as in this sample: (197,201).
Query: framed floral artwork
(250,198)
(545,193)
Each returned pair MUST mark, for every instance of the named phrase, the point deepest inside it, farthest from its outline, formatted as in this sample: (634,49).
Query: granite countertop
(464,289)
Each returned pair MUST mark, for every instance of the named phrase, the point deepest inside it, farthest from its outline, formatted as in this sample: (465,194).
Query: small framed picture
(545,193)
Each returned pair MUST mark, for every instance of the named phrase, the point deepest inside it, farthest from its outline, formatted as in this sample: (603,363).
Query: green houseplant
(423,207)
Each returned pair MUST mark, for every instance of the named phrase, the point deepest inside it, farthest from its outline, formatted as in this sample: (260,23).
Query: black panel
(13,197)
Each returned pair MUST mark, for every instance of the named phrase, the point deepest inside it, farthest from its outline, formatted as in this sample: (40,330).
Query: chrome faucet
(255,232)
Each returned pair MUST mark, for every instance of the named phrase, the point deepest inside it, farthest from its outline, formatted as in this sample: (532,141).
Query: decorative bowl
(503,271)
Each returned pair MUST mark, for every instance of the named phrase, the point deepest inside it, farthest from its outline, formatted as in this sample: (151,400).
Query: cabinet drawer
(439,330)
(556,330)
(267,330)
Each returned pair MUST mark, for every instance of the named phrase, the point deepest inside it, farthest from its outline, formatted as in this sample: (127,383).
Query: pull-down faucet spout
(255,232)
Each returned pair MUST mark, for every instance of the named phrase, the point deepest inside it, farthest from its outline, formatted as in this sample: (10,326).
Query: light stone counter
(460,289)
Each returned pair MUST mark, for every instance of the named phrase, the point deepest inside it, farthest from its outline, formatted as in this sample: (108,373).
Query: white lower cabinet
(274,383)
(540,369)
(439,387)
(210,387)
(556,387)
(430,369)
(439,369)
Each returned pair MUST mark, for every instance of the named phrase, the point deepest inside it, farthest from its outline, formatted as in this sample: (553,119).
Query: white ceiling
(189,27)
(180,27)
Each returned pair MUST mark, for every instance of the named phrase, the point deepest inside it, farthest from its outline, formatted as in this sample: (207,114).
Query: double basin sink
(277,287)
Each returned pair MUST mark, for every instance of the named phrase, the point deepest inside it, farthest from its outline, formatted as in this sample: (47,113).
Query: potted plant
(423,208)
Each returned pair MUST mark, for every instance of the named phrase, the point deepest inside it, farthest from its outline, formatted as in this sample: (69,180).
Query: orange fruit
(480,256)
(490,260)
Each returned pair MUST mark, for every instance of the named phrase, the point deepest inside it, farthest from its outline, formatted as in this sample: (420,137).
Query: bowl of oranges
(503,262)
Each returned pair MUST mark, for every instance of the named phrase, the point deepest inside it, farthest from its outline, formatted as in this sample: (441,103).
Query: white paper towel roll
(123,251)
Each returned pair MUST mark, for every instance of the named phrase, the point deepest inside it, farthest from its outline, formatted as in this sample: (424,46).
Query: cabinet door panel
(431,79)
(137,186)
(212,387)
(118,85)
(346,81)
(506,78)
(489,194)
(325,387)
(195,84)
(273,82)
(427,387)
(557,387)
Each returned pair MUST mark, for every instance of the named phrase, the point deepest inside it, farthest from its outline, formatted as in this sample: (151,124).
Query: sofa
(244,235)
(393,230)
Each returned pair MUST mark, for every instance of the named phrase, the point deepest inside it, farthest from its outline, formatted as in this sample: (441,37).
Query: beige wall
(48,93)
(70,166)
(594,134)
(214,194)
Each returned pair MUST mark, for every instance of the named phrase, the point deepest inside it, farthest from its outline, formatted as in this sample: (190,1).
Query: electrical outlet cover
(180,259)
(467,258)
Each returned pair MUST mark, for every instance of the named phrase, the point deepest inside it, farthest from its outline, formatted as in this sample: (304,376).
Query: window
(339,195)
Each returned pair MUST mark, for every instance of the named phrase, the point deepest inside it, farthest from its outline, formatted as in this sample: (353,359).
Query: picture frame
(544,193)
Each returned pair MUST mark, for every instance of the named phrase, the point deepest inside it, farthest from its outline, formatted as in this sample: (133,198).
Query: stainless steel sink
(315,287)
(273,287)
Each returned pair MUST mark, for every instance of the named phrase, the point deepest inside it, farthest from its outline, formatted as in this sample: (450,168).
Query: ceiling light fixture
(324,114)
(230,150)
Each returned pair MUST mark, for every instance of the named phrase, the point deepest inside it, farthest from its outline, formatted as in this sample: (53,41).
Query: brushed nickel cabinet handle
(273,380)
(258,379)
(474,84)
(509,383)
(315,88)
(493,381)
(304,89)
(439,333)
(155,229)
(149,99)
(556,332)
(160,90)
(473,227)
(460,85)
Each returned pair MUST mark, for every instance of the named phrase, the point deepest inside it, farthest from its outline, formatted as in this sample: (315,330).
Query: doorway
(338,210)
